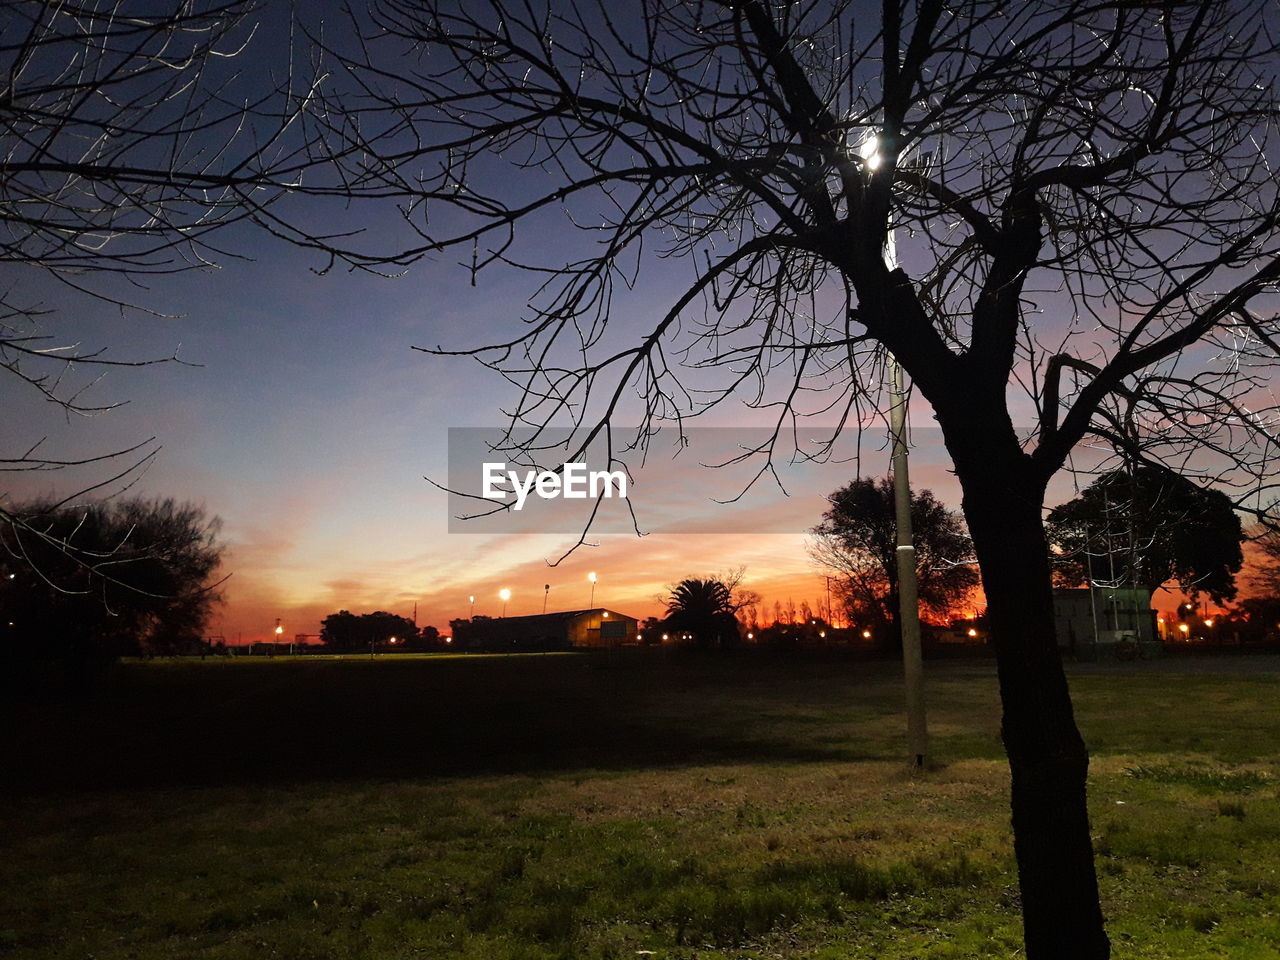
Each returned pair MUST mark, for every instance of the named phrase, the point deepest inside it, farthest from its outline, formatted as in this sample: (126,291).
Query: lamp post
(546,592)
(908,600)
(592,577)
(505,594)
(472,615)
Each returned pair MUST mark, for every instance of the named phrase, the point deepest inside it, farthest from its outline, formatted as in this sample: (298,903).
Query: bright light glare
(871,152)
(592,576)
(505,594)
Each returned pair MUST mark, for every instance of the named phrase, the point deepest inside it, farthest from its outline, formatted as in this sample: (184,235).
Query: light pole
(505,594)
(546,592)
(908,599)
(472,615)
(592,577)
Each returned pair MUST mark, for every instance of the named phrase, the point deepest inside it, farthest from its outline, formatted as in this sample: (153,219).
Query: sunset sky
(309,425)
(303,418)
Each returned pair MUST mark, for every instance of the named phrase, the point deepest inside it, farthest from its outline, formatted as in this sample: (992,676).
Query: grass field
(646,806)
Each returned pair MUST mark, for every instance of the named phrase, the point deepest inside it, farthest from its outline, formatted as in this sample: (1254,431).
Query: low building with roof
(563,630)
(1105,622)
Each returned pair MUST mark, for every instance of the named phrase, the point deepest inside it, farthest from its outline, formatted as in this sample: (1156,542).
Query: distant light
(1208,623)
(393,639)
(866,634)
(12,576)
(1183,627)
(666,637)
(822,633)
(472,599)
(448,639)
(973,632)
(750,635)
(606,613)
(1161,619)
(279,630)
(592,576)
(505,594)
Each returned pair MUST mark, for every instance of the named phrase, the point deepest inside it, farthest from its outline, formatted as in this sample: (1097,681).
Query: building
(1090,622)
(565,630)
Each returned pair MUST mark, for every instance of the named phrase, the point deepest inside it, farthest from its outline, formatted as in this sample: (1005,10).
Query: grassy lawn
(649,806)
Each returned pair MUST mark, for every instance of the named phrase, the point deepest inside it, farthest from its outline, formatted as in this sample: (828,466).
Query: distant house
(547,631)
(1090,621)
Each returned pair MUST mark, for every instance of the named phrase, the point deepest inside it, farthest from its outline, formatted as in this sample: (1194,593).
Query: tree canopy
(346,632)
(857,542)
(1149,526)
(81,585)
(707,609)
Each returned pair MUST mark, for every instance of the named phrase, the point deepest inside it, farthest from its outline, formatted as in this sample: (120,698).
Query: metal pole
(908,597)
(908,601)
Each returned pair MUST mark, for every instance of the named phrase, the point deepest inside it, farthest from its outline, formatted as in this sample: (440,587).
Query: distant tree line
(347,632)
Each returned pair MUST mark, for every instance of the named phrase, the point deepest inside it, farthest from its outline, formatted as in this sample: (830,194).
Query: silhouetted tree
(428,638)
(1147,526)
(703,608)
(346,632)
(149,586)
(857,542)
(1083,199)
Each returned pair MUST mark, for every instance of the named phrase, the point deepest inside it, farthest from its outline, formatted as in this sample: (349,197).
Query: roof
(556,617)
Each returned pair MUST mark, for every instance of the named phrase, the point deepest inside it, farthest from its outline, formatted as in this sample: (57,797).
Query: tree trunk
(1048,761)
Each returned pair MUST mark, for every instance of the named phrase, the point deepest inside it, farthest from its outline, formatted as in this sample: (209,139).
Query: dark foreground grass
(572,806)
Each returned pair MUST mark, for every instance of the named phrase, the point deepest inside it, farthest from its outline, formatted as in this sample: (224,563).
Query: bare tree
(130,133)
(1265,575)
(1080,194)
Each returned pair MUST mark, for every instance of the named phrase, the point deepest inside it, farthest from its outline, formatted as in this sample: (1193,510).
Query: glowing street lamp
(505,594)
(592,577)
(473,606)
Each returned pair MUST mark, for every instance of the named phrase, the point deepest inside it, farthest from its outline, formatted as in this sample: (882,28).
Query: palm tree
(705,609)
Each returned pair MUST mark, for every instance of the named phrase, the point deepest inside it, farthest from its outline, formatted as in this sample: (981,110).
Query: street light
(473,607)
(592,577)
(908,602)
(505,594)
